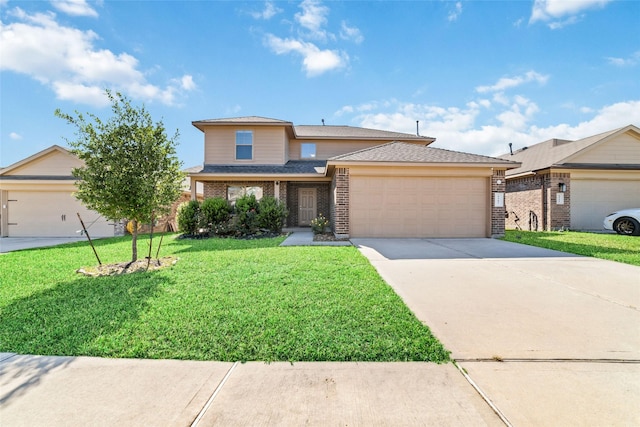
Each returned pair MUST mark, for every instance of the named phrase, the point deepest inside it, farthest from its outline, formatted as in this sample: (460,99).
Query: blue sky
(476,74)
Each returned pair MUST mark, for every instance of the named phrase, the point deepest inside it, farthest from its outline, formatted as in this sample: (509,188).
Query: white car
(626,221)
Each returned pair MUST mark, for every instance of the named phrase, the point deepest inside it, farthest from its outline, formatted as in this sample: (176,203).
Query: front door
(307,209)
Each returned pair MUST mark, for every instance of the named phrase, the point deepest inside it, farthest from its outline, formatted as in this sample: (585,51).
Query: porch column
(498,207)
(276,190)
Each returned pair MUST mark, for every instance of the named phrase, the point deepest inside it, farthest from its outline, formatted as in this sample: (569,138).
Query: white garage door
(592,200)
(418,207)
(52,214)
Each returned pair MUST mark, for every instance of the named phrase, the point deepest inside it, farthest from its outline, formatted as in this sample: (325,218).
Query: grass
(613,247)
(224,300)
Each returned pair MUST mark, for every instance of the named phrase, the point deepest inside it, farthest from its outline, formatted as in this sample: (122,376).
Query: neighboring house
(574,184)
(36,199)
(369,183)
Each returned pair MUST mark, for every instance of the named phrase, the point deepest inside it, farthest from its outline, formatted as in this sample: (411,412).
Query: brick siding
(322,199)
(219,188)
(497,212)
(531,202)
(340,205)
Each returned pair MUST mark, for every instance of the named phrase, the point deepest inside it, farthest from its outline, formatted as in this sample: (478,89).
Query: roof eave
(342,163)
(201,124)
(264,176)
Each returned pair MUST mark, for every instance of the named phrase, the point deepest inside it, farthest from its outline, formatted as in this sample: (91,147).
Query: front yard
(224,300)
(613,247)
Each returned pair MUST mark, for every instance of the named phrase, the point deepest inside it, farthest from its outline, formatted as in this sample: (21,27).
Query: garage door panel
(418,207)
(52,214)
(592,200)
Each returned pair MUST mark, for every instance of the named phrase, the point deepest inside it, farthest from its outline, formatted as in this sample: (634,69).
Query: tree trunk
(134,241)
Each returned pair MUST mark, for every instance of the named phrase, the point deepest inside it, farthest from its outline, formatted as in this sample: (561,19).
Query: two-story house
(369,183)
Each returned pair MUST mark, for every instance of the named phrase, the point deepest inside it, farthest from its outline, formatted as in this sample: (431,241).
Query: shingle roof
(553,152)
(241,120)
(413,153)
(291,167)
(321,131)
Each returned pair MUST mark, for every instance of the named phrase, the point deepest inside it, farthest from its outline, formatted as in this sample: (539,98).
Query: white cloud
(455,13)
(311,21)
(625,62)
(313,17)
(74,7)
(351,33)
(511,82)
(469,129)
(66,59)
(187,83)
(315,61)
(270,10)
(554,10)
(15,136)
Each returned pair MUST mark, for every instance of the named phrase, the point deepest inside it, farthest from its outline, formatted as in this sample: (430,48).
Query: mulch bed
(327,237)
(140,265)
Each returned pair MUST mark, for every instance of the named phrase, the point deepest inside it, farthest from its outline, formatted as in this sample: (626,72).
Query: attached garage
(419,206)
(408,190)
(593,199)
(51,214)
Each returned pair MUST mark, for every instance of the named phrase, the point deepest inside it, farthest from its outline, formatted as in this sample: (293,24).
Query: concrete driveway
(10,244)
(551,338)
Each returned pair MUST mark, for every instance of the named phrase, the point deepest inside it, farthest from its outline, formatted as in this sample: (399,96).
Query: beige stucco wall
(326,149)
(624,149)
(55,163)
(269,144)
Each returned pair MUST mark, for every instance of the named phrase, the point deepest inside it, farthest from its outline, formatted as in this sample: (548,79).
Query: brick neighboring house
(573,185)
(369,183)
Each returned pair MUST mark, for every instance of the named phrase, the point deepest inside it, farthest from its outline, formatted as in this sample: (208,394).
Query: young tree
(130,166)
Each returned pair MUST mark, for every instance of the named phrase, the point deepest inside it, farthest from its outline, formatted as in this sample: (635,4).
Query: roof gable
(401,152)
(557,153)
(53,161)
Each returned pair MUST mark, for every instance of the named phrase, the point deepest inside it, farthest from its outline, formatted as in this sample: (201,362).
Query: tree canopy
(130,169)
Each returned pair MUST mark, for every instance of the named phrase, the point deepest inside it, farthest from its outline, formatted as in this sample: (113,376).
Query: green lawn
(224,300)
(613,247)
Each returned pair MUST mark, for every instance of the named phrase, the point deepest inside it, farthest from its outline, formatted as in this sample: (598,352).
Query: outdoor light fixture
(562,187)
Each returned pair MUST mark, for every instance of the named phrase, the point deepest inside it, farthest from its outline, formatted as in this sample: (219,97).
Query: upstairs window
(307,150)
(244,145)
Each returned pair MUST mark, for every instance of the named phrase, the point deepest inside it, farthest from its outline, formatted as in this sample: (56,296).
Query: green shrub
(246,215)
(271,214)
(215,213)
(189,217)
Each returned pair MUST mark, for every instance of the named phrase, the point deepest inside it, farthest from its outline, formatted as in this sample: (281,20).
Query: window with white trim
(244,145)
(235,192)
(308,150)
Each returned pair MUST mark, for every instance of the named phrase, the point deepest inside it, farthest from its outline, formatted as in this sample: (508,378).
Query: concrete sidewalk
(304,237)
(61,391)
